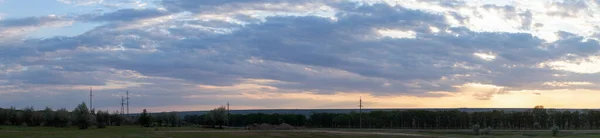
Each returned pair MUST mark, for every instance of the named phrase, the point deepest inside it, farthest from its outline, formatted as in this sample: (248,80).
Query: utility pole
(91,104)
(122,105)
(360,113)
(127,102)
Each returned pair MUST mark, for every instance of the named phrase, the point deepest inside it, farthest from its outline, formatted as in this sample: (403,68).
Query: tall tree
(173,119)
(28,115)
(48,117)
(82,116)
(145,119)
(3,116)
(61,117)
(219,116)
(102,118)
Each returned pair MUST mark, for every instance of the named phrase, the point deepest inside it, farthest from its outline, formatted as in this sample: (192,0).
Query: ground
(185,132)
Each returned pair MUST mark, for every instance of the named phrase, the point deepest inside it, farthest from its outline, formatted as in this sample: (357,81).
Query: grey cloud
(125,15)
(568,8)
(344,55)
(52,77)
(29,21)
(198,6)
(447,3)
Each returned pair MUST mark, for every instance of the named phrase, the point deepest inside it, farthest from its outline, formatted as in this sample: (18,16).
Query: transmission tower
(127,102)
(122,105)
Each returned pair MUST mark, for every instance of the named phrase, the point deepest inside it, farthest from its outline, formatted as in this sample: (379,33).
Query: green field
(192,132)
(182,132)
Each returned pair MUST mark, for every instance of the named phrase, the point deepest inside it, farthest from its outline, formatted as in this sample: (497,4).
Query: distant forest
(535,118)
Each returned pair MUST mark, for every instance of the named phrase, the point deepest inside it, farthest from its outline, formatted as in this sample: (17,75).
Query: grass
(193,132)
(467,133)
(163,132)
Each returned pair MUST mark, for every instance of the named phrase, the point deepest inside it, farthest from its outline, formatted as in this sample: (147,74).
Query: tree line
(81,116)
(239,120)
(536,118)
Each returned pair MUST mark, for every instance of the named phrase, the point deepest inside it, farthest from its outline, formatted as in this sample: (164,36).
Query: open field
(467,133)
(189,132)
(183,132)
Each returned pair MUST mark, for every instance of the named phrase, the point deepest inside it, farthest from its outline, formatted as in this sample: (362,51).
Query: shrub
(487,131)
(476,129)
(554,130)
(537,125)
(116,118)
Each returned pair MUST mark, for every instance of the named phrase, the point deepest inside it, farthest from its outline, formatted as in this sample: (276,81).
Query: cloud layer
(201,53)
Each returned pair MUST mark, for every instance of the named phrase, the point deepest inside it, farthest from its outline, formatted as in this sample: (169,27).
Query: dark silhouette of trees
(218,116)
(62,117)
(82,116)
(48,114)
(102,119)
(116,119)
(535,118)
(3,116)
(145,119)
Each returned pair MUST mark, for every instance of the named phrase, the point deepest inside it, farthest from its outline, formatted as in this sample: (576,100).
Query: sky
(181,55)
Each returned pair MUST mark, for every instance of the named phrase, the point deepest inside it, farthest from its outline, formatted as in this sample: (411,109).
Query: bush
(116,119)
(476,129)
(554,130)
(537,125)
(487,131)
